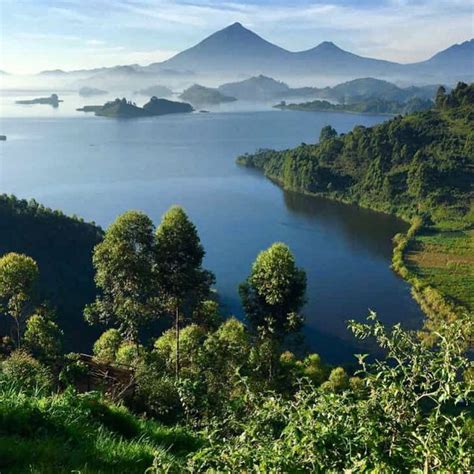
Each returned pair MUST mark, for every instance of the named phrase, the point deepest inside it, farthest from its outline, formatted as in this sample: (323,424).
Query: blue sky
(75,34)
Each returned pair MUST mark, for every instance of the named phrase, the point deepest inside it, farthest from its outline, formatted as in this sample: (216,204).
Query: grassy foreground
(67,432)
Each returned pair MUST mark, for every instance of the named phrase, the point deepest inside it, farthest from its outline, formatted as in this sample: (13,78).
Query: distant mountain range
(237,52)
(237,49)
(263,88)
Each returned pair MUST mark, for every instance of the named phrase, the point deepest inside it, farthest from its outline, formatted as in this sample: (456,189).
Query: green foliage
(409,165)
(124,263)
(407,413)
(192,338)
(106,347)
(207,314)
(25,373)
(180,256)
(327,132)
(62,246)
(338,381)
(182,280)
(43,338)
(71,432)
(18,277)
(364,106)
(274,292)
(129,353)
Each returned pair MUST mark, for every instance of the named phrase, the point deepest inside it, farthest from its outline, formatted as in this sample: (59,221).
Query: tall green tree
(18,278)
(440,99)
(327,132)
(124,263)
(273,294)
(183,281)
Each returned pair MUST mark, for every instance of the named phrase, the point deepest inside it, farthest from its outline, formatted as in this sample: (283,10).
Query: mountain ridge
(236,51)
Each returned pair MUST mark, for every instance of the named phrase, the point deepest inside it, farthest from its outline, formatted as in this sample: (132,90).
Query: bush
(42,337)
(25,373)
(106,347)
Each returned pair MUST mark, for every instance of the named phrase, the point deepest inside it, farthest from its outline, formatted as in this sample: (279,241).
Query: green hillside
(417,165)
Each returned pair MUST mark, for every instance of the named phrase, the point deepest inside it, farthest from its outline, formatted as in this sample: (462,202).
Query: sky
(75,34)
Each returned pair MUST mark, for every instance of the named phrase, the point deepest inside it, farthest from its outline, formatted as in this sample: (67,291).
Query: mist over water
(97,168)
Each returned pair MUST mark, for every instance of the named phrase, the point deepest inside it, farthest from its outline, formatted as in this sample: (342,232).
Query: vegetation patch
(445,260)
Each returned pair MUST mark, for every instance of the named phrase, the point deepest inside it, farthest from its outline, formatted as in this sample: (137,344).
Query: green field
(445,261)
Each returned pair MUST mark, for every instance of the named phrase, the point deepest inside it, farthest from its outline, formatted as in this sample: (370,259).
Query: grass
(445,261)
(68,432)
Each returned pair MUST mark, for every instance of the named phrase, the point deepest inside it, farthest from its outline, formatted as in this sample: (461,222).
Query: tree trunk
(17,321)
(177,339)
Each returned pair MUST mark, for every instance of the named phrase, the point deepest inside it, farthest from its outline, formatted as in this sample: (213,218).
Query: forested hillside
(212,394)
(421,163)
(419,166)
(62,246)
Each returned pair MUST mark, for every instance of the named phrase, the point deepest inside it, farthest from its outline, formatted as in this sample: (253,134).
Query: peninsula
(52,100)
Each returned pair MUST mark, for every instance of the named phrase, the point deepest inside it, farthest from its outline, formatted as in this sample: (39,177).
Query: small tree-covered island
(123,108)
(170,383)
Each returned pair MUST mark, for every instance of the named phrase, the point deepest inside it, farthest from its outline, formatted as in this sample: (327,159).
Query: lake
(98,168)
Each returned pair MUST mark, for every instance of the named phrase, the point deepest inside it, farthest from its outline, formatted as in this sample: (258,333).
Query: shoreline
(431,301)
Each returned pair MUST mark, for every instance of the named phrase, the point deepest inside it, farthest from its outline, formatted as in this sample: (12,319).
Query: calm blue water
(97,168)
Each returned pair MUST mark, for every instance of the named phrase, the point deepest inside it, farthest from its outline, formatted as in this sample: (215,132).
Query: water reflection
(362,229)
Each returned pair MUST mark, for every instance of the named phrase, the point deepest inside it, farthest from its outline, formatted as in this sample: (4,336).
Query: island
(90,108)
(163,106)
(3,138)
(91,91)
(123,108)
(200,95)
(369,106)
(52,100)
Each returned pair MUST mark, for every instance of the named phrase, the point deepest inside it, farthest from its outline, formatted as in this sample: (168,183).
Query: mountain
(236,52)
(456,61)
(53,72)
(200,95)
(371,88)
(330,58)
(156,90)
(238,49)
(255,88)
(91,91)
(234,46)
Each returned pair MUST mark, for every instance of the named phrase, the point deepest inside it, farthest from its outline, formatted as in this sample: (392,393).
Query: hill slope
(62,246)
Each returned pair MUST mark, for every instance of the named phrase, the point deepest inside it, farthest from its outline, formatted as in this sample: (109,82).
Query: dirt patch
(438,259)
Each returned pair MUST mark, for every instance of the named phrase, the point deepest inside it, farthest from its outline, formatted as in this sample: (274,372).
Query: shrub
(106,347)
(25,373)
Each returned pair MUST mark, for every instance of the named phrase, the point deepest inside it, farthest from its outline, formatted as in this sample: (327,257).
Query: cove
(97,168)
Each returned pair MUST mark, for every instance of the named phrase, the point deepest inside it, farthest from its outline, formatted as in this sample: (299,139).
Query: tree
(43,338)
(327,132)
(440,99)
(18,278)
(124,263)
(273,294)
(183,281)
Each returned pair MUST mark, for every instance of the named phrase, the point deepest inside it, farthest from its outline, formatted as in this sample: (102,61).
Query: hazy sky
(75,34)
